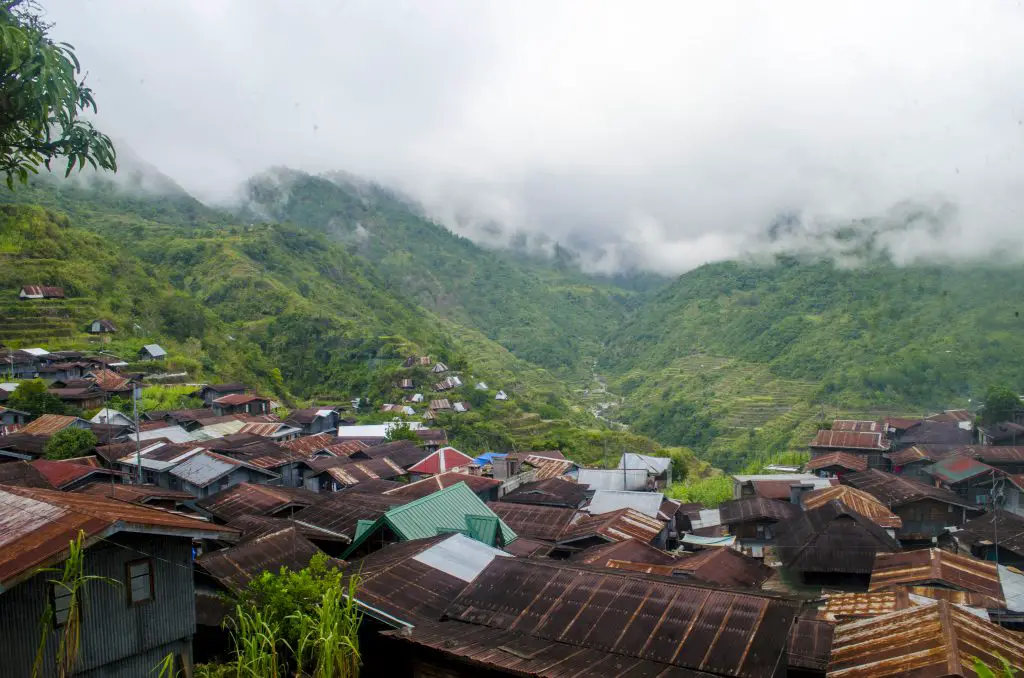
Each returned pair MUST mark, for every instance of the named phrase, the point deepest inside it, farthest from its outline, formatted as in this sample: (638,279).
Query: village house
(541,523)
(206,473)
(110,416)
(71,474)
(754,521)
(484,488)
(781,486)
(101,326)
(10,418)
(48,424)
(210,392)
(633,480)
(62,371)
(549,492)
(1003,433)
(152,352)
(255,499)
(341,513)
(835,464)
(865,439)
(926,511)
(588,531)
(658,468)
(40,292)
(936,573)
(927,432)
(333,474)
(149,612)
(972,480)
(500,395)
(240,403)
(911,462)
(444,460)
(313,420)
(87,397)
(996,536)
(18,364)
(290,466)
(857,501)
(143,495)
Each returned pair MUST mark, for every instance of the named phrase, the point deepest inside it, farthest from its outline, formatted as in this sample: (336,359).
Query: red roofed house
(870,445)
(40,292)
(241,403)
(444,460)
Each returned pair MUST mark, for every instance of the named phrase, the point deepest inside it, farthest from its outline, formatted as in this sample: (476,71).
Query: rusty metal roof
(525,547)
(236,566)
(844,460)
(756,509)
(422,488)
(631,550)
(810,644)
(484,649)
(308,415)
(46,291)
(993,454)
(929,641)
(856,500)
(999,526)
(894,491)
(36,526)
(613,526)
(539,522)
(918,453)
(255,526)
(846,606)
(354,472)
(23,443)
(307,445)
(239,399)
(405,453)
(249,498)
(832,538)
(23,474)
(957,469)
(858,425)
(62,473)
(341,511)
(346,448)
(134,494)
(548,492)
(649,618)
(262,429)
(929,567)
(724,566)
(375,486)
(850,440)
(48,424)
(548,467)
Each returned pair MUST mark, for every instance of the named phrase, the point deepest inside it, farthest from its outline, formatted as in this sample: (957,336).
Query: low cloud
(654,135)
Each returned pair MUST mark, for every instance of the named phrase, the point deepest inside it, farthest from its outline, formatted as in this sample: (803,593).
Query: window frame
(128,581)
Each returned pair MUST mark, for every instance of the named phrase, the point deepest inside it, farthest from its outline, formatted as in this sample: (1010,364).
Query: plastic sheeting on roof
(460,556)
(606,501)
(488,458)
(612,479)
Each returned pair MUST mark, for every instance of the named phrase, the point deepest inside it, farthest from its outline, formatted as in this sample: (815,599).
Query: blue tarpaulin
(488,458)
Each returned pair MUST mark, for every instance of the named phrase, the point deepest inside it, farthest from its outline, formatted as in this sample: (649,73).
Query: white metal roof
(795,477)
(108,415)
(481,386)
(698,540)
(606,501)
(154,350)
(708,518)
(36,351)
(157,464)
(371,430)
(460,556)
(500,395)
(202,469)
(8,386)
(218,430)
(176,434)
(612,479)
(654,465)
(1013,588)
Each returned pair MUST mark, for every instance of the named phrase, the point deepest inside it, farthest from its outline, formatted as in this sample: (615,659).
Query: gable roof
(548,492)
(756,508)
(895,491)
(934,566)
(307,415)
(938,639)
(357,471)
(688,626)
(605,501)
(844,460)
(307,445)
(723,566)
(340,512)
(858,425)
(444,459)
(916,453)
(23,474)
(405,453)
(937,432)
(957,469)
(134,494)
(832,538)
(61,474)
(422,488)
(154,350)
(48,424)
(240,399)
(36,526)
(614,526)
(46,291)
(653,465)
(850,440)
(205,467)
(250,498)
(539,522)
(995,527)
(235,566)
(631,550)
(856,500)
(453,509)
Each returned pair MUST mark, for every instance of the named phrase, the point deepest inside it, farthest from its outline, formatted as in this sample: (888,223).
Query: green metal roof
(453,509)
(956,469)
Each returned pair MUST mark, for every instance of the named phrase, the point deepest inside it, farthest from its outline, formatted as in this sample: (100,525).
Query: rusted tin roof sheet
(47,425)
(62,474)
(341,511)
(918,453)
(249,498)
(756,509)
(810,644)
(36,526)
(999,526)
(307,445)
(346,448)
(649,618)
(844,460)
(375,486)
(236,566)
(422,488)
(546,523)
(856,500)
(934,566)
(524,547)
(549,492)
(405,453)
(548,467)
(724,566)
(134,494)
(929,641)
(895,491)
(255,526)
(957,469)
(631,550)
(614,526)
(483,649)
(993,454)
(832,538)
(843,607)
(23,474)
(354,472)
(239,399)
(23,443)
(850,440)
(858,425)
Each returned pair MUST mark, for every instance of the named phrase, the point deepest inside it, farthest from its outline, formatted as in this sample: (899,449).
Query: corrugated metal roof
(23,474)
(606,501)
(929,641)
(957,469)
(249,498)
(952,415)
(307,445)
(725,567)
(631,550)
(62,473)
(340,512)
(895,491)
(239,399)
(918,453)
(995,526)
(859,425)
(460,557)
(548,492)
(933,566)
(134,494)
(856,500)
(539,522)
(993,454)
(36,526)
(653,465)
(154,350)
(614,526)
(850,440)
(843,460)
(810,644)
(648,618)
(782,489)
(832,538)
(48,424)
(444,459)
(756,509)
(547,468)
(847,606)
(236,566)
(612,479)
(422,488)
(525,547)
(206,467)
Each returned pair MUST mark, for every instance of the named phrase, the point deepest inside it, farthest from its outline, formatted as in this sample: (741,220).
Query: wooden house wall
(927,518)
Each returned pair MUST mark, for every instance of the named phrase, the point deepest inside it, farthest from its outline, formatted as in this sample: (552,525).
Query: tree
(1000,405)
(401,431)
(69,443)
(40,100)
(32,397)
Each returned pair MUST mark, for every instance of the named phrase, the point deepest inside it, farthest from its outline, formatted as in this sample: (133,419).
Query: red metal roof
(46,291)
(445,459)
(47,425)
(61,473)
(36,526)
(844,460)
(859,425)
(850,440)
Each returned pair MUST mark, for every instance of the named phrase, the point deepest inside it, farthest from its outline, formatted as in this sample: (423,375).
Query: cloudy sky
(667,133)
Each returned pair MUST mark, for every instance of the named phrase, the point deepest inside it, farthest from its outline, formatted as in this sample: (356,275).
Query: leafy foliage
(1001,404)
(42,99)
(401,431)
(709,492)
(69,443)
(32,397)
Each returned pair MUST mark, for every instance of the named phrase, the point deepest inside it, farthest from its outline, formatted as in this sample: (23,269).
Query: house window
(140,581)
(60,599)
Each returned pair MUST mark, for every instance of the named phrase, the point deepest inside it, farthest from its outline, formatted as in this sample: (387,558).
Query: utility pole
(138,446)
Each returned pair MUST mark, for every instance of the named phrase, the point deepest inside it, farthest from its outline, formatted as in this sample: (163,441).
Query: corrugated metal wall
(112,631)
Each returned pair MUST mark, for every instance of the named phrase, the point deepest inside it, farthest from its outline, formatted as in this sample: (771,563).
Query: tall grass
(258,645)
(329,644)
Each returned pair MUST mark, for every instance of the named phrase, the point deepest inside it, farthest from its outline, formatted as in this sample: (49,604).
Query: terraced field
(45,322)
